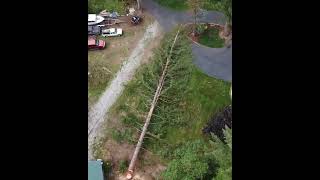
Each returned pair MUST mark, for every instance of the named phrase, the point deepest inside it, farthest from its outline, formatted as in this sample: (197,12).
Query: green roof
(95,170)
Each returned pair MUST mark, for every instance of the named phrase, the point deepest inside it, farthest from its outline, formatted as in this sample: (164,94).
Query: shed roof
(95,170)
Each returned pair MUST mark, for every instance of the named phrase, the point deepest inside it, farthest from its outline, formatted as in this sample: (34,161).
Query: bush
(107,167)
(201,28)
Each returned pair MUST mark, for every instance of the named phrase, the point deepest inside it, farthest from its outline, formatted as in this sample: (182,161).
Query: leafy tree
(222,153)
(189,162)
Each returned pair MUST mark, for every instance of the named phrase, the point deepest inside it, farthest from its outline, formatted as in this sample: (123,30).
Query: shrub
(121,136)
(123,165)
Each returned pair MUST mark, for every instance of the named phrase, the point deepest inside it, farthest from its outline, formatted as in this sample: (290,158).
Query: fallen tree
(153,104)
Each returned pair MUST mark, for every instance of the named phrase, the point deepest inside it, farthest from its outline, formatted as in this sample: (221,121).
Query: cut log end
(129,174)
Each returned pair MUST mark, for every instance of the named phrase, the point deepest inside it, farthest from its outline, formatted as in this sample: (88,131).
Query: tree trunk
(138,2)
(226,29)
(195,23)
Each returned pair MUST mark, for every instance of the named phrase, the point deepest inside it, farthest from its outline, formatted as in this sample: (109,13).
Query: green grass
(211,38)
(206,96)
(96,6)
(174,4)
(181,5)
(101,73)
(188,100)
(123,165)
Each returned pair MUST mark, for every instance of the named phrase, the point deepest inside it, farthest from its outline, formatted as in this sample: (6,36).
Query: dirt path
(98,112)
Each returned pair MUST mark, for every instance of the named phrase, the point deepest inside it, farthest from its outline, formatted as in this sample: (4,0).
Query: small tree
(195,6)
(226,8)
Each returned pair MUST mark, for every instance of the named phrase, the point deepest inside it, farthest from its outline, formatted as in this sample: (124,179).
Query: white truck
(111,32)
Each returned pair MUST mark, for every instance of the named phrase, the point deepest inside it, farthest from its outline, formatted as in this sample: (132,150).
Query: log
(153,104)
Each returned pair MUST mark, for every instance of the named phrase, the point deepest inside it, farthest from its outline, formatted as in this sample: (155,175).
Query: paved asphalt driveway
(216,62)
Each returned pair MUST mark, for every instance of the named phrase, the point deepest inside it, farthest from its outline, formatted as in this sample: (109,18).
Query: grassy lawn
(96,6)
(101,70)
(206,96)
(211,38)
(182,4)
(189,98)
(174,4)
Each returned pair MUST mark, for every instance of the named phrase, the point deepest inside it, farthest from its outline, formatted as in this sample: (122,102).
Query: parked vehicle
(111,32)
(96,44)
(94,19)
(135,20)
(94,30)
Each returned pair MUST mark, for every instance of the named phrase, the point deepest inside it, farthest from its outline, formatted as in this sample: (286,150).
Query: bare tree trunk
(138,2)
(195,23)
(153,104)
(226,29)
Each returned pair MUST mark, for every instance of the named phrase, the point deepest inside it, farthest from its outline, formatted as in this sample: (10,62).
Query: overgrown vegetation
(96,6)
(211,38)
